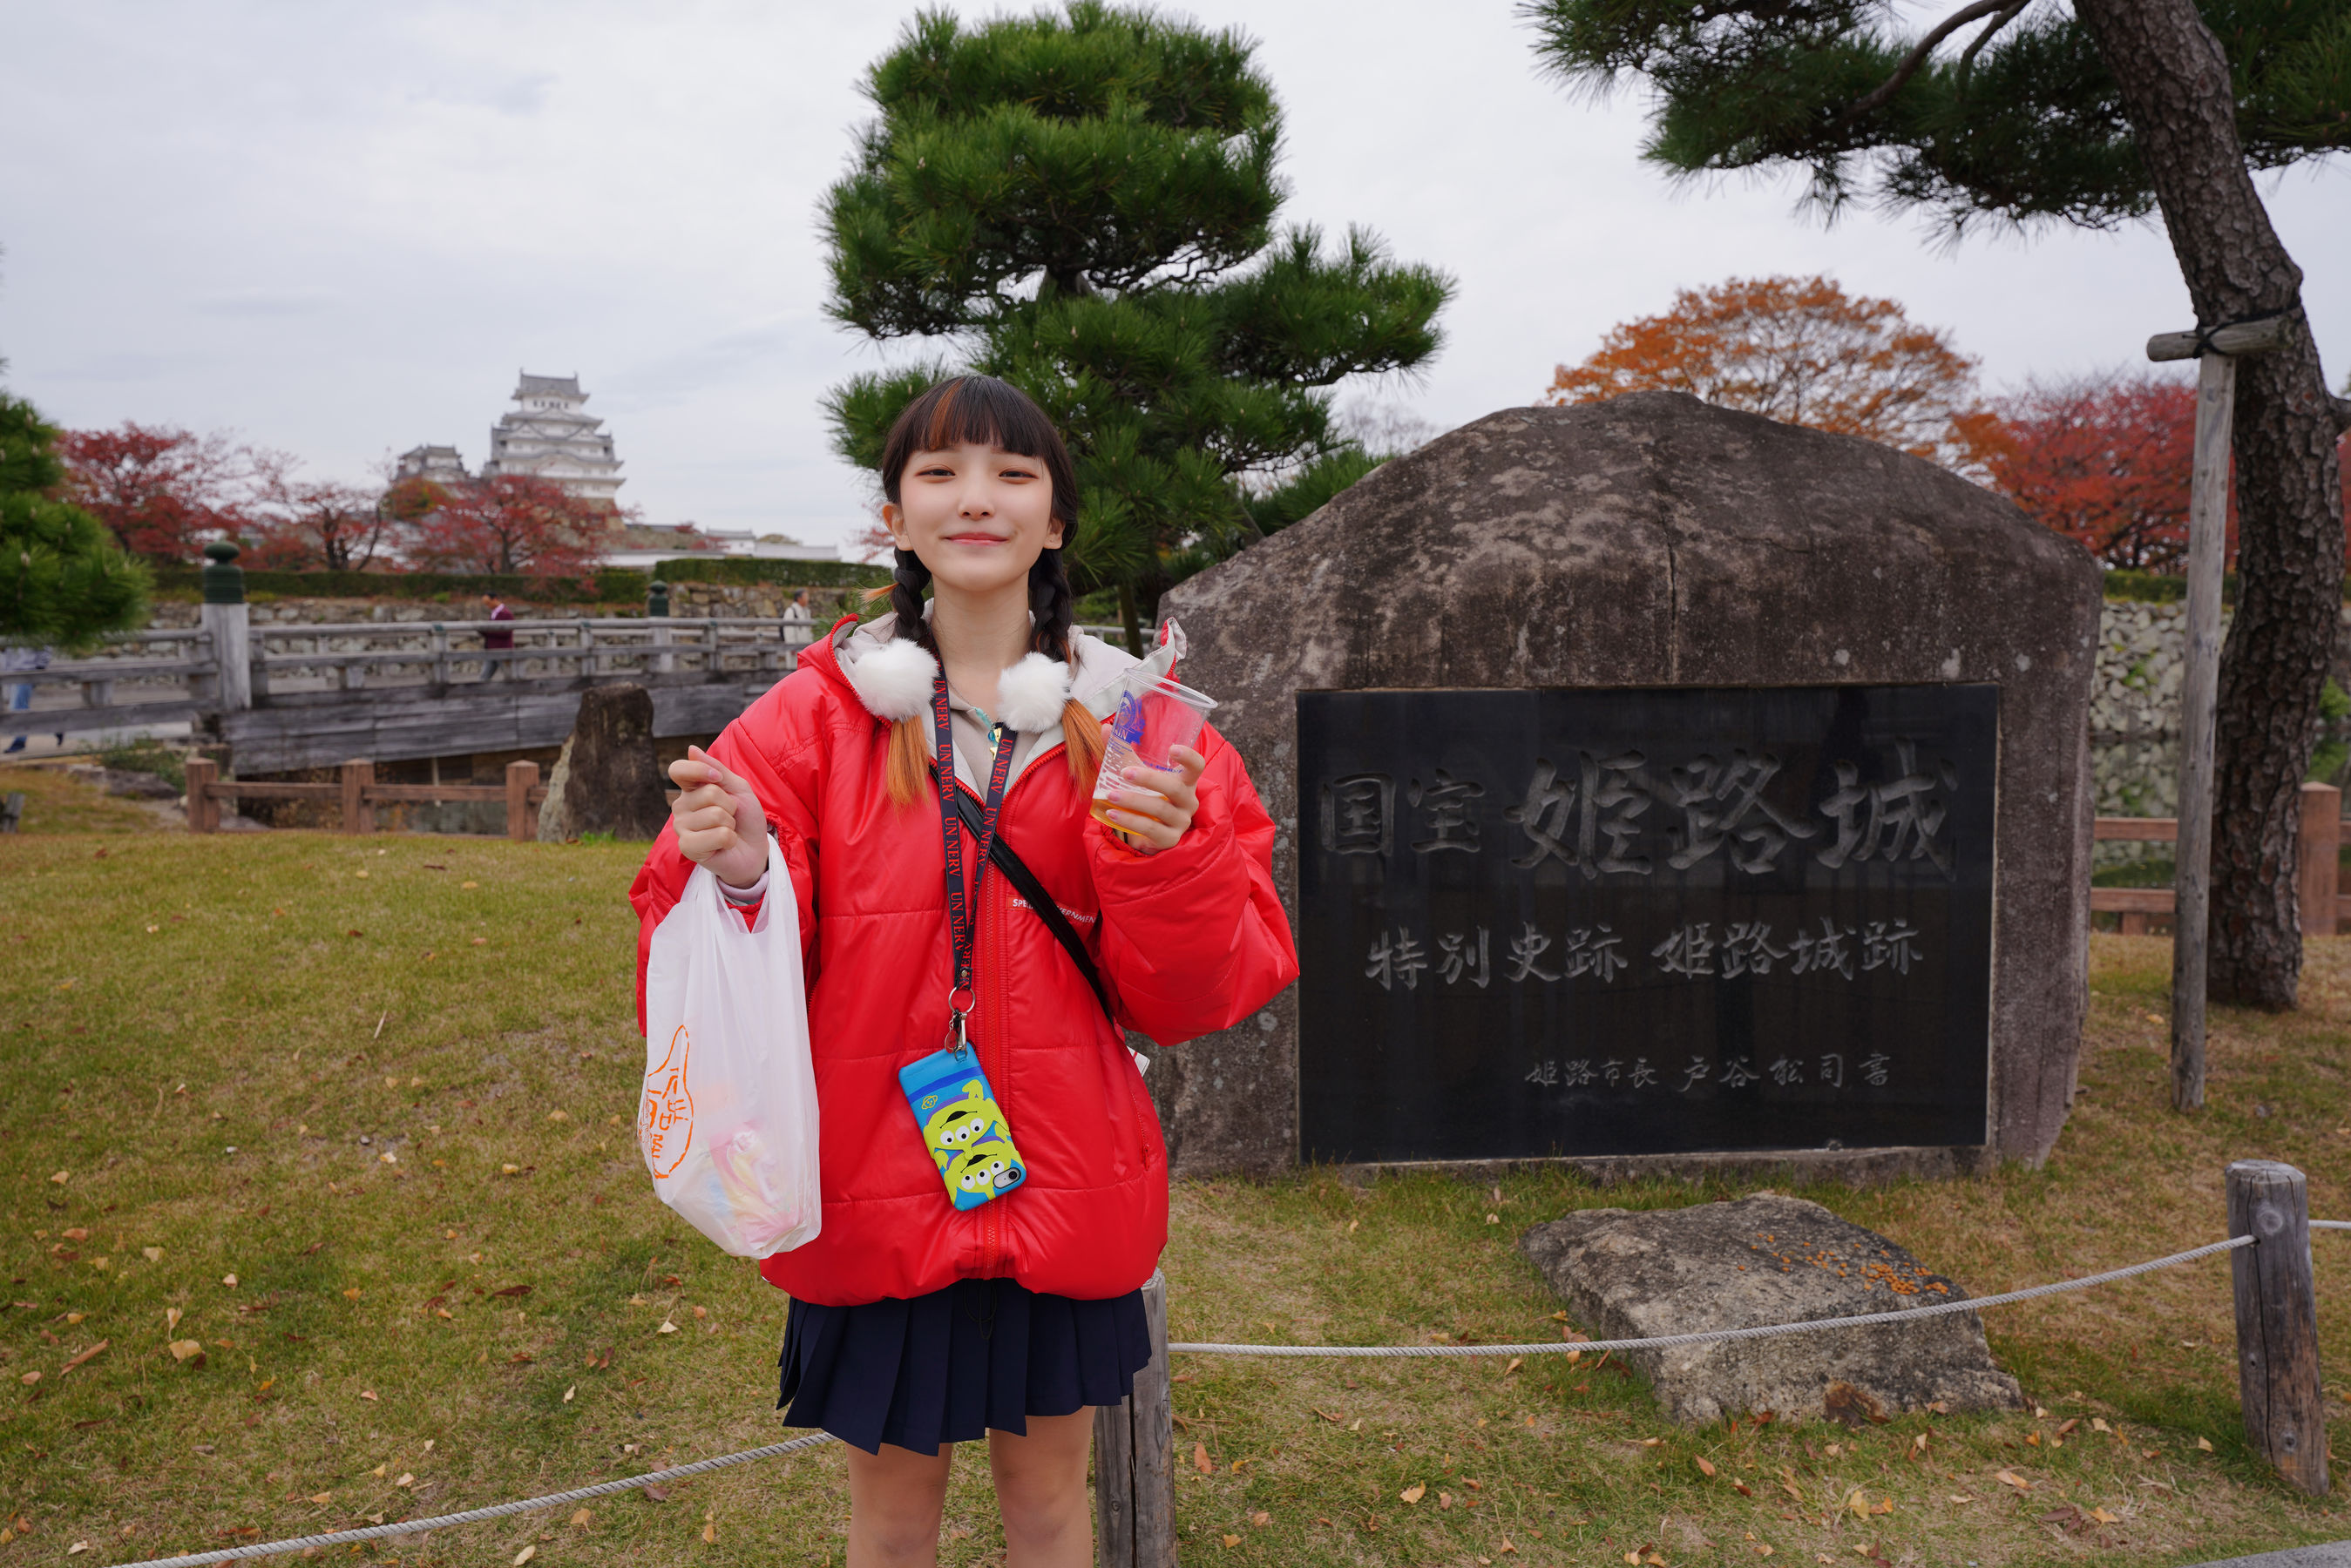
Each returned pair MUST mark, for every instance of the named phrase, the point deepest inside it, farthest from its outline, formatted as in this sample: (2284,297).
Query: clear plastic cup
(1150,724)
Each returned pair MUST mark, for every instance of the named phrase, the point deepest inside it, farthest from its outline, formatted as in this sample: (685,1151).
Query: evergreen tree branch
(1877,98)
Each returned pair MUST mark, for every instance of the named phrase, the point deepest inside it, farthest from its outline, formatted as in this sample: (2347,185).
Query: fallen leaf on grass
(1413,1494)
(1705,1468)
(405,1480)
(2204,1444)
(710,1535)
(513,1291)
(170,1319)
(29,1378)
(78,1546)
(182,1349)
(351,1295)
(1261,1518)
(656,1493)
(1232,1541)
(582,1517)
(378,1471)
(666,1327)
(2010,1477)
(94,1350)
(229,1280)
(370,1394)
(1200,1461)
(2103,1517)
(525,1556)
(322,1498)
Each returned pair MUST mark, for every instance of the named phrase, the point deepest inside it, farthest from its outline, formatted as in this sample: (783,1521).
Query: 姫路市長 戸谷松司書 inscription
(1643,921)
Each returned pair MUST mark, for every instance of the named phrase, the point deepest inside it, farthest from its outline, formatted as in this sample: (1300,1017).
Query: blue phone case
(962,1127)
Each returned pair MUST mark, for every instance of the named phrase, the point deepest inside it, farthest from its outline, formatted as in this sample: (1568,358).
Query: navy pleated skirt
(948,1367)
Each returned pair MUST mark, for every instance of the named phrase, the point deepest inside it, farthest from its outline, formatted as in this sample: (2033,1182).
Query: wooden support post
(440,654)
(2208,513)
(2208,519)
(358,816)
(2277,1321)
(204,809)
(522,818)
(2134,922)
(2318,857)
(1134,1458)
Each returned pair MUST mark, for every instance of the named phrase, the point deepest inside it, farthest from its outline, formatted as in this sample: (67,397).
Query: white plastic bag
(727,1121)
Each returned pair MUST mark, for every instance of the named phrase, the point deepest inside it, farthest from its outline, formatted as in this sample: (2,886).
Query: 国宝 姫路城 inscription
(1629,921)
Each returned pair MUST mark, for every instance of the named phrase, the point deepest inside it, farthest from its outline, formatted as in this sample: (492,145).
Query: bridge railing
(137,677)
(172,675)
(2320,897)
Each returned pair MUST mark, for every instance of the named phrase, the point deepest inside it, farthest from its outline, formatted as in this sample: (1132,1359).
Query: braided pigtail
(907,772)
(906,586)
(1053,608)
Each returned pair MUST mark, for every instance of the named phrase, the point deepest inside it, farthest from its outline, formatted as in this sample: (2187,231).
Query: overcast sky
(340,229)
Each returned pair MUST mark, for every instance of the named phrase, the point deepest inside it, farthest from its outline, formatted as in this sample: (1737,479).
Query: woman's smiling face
(977,515)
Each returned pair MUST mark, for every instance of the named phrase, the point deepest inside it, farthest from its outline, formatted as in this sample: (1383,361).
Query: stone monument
(606,778)
(1658,786)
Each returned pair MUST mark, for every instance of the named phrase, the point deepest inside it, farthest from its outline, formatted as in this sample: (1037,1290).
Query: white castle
(546,434)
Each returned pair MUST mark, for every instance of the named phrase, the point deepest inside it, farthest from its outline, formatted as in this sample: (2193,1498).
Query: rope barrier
(475,1516)
(1765,1331)
(1657,1342)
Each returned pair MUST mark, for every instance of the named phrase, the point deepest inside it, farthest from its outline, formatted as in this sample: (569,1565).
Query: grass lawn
(351,1116)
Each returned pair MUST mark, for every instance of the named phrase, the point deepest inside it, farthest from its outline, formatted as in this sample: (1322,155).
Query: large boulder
(1656,541)
(607,779)
(1634,1274)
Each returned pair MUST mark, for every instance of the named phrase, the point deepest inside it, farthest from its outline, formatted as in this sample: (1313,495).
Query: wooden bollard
(358,816)
(2317,857)
(1134,1458)
(2277,1321)
(522,818)
(203,810)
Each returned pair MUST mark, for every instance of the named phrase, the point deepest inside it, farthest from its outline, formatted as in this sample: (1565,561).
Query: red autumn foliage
(2104,461)
(314,524)
(2108,461)
(1800,350)
(513,522)
(162,492)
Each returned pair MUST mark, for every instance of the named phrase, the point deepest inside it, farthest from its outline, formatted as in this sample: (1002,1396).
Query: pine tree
(64,582)
(1084,205)
(2093,115)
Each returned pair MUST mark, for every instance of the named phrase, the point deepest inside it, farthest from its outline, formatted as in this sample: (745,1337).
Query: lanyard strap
(961,997)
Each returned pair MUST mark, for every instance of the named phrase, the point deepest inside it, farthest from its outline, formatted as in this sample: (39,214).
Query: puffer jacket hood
(1189,941)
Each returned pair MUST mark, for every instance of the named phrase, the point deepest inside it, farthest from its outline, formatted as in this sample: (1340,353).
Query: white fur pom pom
(1031,695)
(894,680)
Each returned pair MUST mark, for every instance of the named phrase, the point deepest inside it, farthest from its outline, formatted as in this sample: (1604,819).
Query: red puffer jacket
(1189,941)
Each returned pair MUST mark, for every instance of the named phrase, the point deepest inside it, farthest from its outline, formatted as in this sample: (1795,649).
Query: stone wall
(2135,714)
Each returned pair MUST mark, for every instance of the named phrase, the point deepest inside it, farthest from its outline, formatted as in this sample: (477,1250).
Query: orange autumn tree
(1803,351)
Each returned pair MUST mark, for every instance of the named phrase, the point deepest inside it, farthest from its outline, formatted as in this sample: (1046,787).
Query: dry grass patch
(219,1041)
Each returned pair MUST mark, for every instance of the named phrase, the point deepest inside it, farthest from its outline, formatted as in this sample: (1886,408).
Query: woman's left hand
(1157,807)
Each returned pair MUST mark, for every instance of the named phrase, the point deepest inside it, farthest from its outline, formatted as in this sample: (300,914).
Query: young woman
(914,1326)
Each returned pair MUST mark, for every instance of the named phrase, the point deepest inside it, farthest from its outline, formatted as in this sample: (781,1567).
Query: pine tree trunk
(2174,78)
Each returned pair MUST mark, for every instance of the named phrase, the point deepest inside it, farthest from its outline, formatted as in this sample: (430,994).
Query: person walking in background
(799,621)
(18,658)
(497,640)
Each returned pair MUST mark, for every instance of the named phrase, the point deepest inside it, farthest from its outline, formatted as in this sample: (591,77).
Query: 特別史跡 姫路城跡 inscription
(1643,921)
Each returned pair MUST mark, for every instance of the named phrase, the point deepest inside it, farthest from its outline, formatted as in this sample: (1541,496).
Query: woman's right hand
(719,821)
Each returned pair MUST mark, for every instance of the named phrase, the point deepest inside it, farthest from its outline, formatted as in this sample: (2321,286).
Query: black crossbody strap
(1024,881)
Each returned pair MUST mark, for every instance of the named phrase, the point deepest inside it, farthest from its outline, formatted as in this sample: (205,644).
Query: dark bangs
(980,410)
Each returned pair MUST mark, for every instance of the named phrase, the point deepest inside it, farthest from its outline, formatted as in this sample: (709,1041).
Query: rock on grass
(1769,1259)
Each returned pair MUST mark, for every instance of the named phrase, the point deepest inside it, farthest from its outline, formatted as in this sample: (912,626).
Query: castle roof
(548,386)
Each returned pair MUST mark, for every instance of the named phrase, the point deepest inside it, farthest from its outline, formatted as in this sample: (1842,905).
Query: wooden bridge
(310,696)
